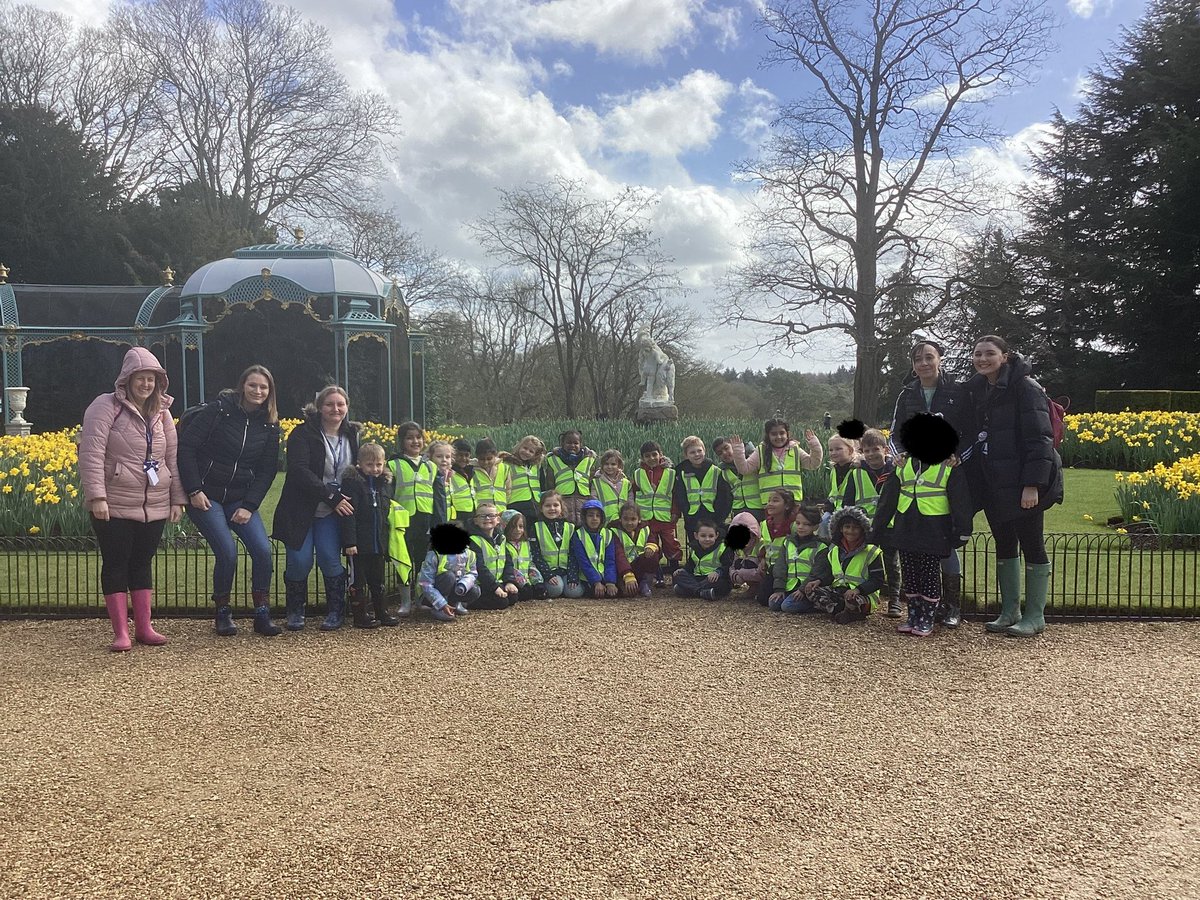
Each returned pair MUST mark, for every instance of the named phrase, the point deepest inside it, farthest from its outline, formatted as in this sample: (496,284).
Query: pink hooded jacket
(113,449)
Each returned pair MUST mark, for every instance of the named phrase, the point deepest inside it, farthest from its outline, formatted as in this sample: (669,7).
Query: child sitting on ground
(496,576)
(794,581)
(449,572)
(851,572)
(744,568)
(706,572)
(552,550)
(593,547)
(637,554)
(520,557)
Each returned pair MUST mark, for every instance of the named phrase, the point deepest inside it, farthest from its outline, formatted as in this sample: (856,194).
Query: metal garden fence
(1111,576)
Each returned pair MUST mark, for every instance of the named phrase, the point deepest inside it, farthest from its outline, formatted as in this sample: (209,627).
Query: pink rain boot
(142,632)
(120,624)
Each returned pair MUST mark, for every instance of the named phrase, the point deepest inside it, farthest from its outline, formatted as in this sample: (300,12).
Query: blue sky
(663,94)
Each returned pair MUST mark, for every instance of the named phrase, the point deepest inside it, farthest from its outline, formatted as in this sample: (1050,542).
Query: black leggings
(1025,532)
(127,549)
(368,573)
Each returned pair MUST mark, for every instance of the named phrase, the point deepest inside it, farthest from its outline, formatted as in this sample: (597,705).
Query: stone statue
(658,373)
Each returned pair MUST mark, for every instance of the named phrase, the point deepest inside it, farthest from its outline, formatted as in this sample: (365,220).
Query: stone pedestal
(650,412)
(15,399)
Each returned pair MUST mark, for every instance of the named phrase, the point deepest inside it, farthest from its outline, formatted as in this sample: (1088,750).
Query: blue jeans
(323,537)
(214,524)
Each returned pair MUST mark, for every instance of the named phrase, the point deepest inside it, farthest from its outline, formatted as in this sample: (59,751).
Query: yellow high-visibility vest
(612,498)
(554,553)
(414,487)
(570,481)
(774,474)
(701,492)
(655,503)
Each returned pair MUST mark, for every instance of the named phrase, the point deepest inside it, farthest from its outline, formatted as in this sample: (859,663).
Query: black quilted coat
(304,487)
(1018,449)
(229,454)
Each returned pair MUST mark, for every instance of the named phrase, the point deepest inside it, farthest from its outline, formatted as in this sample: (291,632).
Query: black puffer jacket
(949,401)
(1019,447)
(304,488)
(229,454)
(367,529)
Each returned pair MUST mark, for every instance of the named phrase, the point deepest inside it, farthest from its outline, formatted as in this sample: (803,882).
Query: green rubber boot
(1037,585)
(1008,574)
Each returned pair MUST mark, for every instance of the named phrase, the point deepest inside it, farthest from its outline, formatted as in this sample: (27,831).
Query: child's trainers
(459,609)
(905,628)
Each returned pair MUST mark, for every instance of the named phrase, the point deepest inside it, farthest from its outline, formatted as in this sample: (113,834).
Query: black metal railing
(1110,576)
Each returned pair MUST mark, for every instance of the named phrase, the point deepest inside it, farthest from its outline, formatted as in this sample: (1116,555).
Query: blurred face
(593,518)
(695,454)
(852,532)
(775,506)
(803,528)
(373,467)
(927,362)
(839,452)
(651,458)
(487,460)
(875,455)
(462,458)
(630,520)
(142,384)
(572,443)
(552,508)
(333,411)
(725,453)
(255,390)
(413,442)
(611,468)
(988,359)
(706,537)
(778,436)
(442,457)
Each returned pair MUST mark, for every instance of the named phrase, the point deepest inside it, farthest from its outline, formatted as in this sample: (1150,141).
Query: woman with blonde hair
(127,465)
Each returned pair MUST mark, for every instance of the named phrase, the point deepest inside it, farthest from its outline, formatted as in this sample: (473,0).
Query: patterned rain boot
(335,602)
(262,615)
(296,594)
(224,625)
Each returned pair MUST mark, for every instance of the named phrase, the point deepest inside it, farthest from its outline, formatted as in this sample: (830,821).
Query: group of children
(477,528)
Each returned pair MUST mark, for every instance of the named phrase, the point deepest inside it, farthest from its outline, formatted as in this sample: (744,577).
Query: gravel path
(602,749)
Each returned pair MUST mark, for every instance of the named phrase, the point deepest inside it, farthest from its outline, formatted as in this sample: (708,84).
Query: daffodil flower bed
(1131,442)
(1166,496)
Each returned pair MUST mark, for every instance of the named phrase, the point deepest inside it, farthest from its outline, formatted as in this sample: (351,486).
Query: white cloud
(640,29)
(1085,8)
(660,122)
(87,12)
(757,109)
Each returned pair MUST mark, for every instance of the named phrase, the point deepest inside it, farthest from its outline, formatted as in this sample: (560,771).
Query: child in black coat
(365,535)
(706,572)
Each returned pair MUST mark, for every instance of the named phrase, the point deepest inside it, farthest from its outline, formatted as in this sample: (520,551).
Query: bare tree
(585,257)
(262,121)
(490,348)
(861,176)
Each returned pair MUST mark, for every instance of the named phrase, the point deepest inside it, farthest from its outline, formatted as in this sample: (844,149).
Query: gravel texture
(661,749)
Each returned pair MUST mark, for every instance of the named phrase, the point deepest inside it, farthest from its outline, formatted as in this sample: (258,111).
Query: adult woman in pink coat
(127,466)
